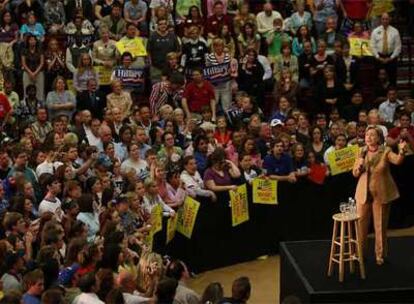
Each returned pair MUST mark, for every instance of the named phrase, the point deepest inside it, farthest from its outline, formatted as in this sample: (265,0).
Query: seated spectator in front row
(240,292)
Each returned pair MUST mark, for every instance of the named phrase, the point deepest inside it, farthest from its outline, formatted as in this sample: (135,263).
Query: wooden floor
(263,274)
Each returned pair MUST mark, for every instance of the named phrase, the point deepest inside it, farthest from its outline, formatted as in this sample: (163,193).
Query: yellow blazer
(381,184)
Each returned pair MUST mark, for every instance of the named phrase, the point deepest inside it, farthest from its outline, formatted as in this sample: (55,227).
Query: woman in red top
(5,109)
(222,133)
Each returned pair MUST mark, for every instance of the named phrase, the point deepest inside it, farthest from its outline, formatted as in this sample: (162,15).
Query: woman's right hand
(233,188)
(360,165)
(213,196)
(292,178)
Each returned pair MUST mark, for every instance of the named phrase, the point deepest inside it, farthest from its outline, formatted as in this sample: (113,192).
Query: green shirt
(183,6)
(13,99)
(276,44)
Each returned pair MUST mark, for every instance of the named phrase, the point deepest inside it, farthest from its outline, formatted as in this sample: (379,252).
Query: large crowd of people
(110,108)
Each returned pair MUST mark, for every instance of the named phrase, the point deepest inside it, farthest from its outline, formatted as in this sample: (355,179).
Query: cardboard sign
(171,228)
(104,74)
(156,218)
(187,216)
(341,161)
(130,77)
(217,74)
(265,191)
(86,39)
(360,47)
(134,46)
(239,205)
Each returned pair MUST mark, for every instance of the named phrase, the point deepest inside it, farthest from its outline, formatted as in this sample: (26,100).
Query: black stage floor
(304,267)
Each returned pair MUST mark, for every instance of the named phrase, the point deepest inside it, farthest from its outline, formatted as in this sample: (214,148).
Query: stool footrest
(347,254)
(347,260)
(346,242)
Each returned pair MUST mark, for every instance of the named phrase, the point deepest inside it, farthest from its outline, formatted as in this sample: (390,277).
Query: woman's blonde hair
(217,41)
(103,29)
(379,133)
(70,139)
(158,164)
(81,67)
(147,279)
(115,82)
(172,55)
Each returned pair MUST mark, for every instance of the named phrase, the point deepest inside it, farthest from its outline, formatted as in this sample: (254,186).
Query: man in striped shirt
(169,91)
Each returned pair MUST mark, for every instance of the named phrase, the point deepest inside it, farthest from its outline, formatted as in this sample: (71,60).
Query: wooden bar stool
(348,244)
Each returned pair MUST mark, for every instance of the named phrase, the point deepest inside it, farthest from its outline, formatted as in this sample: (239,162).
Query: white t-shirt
(50,206)
(135,298)
(194,184)
(87,298)
(140,167)
(47,167)
(94,140)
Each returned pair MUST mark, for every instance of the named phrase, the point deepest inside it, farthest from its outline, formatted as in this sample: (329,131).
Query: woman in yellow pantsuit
(376,187)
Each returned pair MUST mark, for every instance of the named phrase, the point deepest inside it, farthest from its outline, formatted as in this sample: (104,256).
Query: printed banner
(239,205)
(265,191)
(342,160)
(135,46)
(360,47)
(156,219)
(104,74)
(187,216)
(380,7)
(171,228)
(86,39)
(130,77)
(149,240)
(69,83)
(217,74)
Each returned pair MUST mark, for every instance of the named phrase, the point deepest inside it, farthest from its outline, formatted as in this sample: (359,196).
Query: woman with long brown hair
(55,62)
(84,72)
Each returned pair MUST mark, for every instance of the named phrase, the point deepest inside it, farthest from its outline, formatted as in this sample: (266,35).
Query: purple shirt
(219,180)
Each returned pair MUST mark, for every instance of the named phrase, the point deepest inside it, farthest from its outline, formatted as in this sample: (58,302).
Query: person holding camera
(70,155)
(51,162)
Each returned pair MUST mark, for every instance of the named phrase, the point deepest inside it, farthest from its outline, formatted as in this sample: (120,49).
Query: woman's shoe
(380,261)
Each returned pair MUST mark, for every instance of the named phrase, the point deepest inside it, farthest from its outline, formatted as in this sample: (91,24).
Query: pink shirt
(210,7)
(232,154)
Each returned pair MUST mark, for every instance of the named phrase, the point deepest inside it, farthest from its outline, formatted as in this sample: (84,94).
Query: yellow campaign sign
(149,239)
(360,47)
(380,7)
(265,191)
(342,160)
(187,216)
(71,88)
(135,46)
(104,74)
(239,205)
(156,218)
(171,228)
